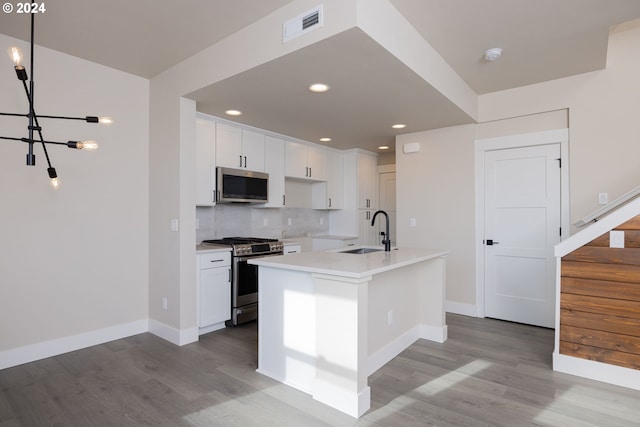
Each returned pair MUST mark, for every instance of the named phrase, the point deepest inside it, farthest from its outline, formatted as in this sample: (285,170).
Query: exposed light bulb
(54,181)
(87,145)
(105,120)
(15,54)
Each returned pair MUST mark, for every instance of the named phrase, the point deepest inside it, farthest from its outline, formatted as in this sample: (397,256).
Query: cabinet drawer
(292,249)
(214,259)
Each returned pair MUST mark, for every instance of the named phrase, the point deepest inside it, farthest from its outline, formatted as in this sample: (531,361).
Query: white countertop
(350,265)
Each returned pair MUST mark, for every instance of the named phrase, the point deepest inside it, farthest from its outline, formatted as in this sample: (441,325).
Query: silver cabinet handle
(240,165)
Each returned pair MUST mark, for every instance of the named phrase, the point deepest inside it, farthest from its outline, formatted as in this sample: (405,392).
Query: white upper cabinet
(253,150)
(330,194)
(205,161)
(305,161)
(367,181)
(239,148)
(274,166)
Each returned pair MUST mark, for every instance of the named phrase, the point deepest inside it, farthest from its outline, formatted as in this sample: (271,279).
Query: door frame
(559,136)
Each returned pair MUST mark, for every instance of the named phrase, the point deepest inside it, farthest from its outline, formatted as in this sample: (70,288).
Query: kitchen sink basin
(361,251)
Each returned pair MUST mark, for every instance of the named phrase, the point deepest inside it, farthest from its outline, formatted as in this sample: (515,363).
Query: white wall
(74,260)
(435,186)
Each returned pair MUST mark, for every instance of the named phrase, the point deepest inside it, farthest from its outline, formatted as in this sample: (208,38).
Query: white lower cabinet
(214,290)
(367,234)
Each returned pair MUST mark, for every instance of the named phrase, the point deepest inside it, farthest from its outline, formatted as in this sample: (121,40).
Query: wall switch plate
(165,303)
(603,198)
(616,239)
(390,317)
(412,222)
(289,221)
(174,224)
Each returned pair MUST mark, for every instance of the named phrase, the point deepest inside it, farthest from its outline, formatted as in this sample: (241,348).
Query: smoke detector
(492,54)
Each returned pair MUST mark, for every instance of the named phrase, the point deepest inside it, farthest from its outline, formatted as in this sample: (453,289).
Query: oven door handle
(247,258)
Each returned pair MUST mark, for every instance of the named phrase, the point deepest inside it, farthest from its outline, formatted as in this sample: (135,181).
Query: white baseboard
(434,333)
(617,375)
(381,357)
(29,353)
(173,335)
(454,307)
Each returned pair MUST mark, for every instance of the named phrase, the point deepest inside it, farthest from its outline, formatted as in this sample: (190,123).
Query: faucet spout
(387,240)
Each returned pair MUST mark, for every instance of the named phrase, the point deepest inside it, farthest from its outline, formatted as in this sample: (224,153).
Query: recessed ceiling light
(325,139)
(399,126)
(383,147)
(318,87)
(492,54)
(233,112)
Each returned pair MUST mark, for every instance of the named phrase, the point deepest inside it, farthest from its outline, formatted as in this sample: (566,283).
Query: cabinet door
(296,160)
(215,296)
(317,163)
(205,161)
(252,150)
(274,166)
(229,146)
(367,234)
(335,180)
(367,181)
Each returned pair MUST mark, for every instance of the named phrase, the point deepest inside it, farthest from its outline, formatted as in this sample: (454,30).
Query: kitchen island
(328,320)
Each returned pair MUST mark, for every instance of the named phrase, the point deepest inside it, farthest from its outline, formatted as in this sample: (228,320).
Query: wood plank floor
(488,373)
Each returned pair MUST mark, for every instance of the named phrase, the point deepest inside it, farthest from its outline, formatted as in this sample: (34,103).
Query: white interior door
(522,225)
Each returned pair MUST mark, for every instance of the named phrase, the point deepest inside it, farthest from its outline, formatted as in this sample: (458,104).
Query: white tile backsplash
(229,220)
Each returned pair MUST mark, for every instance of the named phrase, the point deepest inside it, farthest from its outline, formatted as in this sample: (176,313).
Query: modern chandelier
(34,126)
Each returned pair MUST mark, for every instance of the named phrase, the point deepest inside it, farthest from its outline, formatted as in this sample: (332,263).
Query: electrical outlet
(165,303)
(616,239)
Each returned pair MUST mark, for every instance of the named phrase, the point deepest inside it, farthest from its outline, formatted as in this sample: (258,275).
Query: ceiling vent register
(302,24)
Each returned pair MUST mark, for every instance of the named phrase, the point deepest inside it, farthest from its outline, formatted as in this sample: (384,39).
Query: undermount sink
(360,251)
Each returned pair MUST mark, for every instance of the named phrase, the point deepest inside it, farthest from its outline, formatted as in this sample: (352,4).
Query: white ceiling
(541,40)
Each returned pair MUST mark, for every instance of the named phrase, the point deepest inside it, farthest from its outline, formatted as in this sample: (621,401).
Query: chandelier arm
(14,114)
(9,138)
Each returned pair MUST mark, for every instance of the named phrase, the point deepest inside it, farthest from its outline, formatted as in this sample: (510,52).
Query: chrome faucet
(387,240)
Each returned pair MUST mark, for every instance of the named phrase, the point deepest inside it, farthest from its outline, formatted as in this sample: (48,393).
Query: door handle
(490,242)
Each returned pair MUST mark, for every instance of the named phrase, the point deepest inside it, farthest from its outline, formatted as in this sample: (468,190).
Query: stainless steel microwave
(241,186)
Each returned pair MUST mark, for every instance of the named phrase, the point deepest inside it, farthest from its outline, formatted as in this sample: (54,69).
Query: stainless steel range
(244,276)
